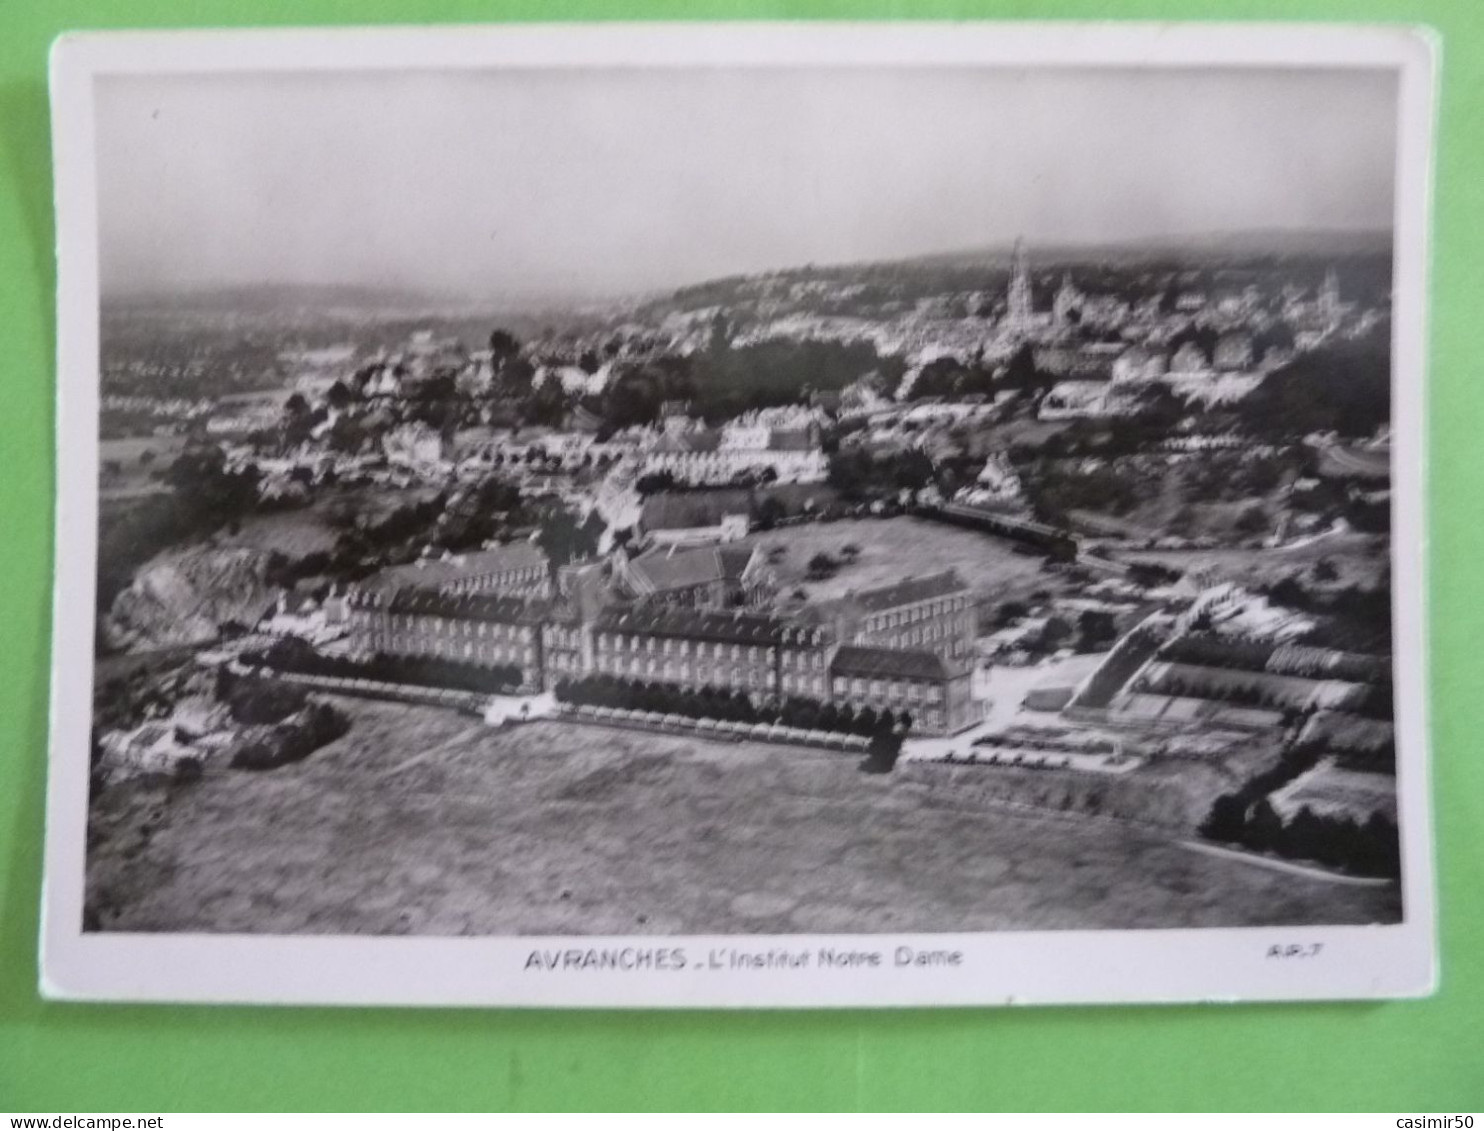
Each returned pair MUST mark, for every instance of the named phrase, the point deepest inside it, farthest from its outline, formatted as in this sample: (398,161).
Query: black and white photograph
(741,516)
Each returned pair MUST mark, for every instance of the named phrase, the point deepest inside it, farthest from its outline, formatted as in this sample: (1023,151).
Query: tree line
(1368,848)
(885,729)
(1247,818)
(725,705)
(291,654)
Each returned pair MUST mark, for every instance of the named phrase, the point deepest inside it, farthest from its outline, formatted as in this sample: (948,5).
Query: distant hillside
(1207,249)
(267,300)
(882,289)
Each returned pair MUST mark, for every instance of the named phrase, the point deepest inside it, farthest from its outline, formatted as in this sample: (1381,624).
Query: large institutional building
(683,618)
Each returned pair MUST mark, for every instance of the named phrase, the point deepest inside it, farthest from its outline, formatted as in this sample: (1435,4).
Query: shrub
(885,748)
(262,702)
(294,740)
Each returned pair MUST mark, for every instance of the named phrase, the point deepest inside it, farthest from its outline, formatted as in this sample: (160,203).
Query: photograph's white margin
(1019,967)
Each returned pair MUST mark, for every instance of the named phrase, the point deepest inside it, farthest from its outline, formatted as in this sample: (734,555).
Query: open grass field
(988,564)
(423,821)
(127,466)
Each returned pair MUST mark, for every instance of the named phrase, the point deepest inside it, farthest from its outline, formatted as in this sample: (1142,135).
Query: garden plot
(1331,791)
(1249,688)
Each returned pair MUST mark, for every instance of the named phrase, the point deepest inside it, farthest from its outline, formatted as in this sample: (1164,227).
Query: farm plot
(1250,688)
(1339,730)
(1147,709)
(1330,663)
(1331,791)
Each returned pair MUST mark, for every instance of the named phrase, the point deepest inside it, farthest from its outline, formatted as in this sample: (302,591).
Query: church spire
(1019,302)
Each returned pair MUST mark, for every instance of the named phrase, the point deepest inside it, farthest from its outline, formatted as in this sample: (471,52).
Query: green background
(1403,1056)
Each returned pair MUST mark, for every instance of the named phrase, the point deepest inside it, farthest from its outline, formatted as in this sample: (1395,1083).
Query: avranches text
(736,958)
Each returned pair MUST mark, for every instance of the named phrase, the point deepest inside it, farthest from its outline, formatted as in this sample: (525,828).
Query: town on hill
(1083,555)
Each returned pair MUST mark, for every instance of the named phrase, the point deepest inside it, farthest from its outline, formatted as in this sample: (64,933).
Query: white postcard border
(1224,964)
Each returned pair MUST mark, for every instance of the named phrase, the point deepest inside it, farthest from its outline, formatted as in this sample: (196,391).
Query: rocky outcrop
(182,597)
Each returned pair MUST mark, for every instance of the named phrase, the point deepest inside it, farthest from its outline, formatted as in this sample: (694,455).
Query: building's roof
(682,510)
(582,419)
(659,570)
(468,606)
(434,573)
(735,559)
(655,573)
(703,624)
(295,604)
(1068,674)
(908,591)
(887,663)
(585,589)
(793,440)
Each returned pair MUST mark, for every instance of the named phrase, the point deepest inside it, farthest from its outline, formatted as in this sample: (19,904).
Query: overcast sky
(497,185)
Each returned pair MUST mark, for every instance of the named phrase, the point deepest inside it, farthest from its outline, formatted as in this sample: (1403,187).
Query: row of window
(917,613)
(699,675)
(879,690)
(669,646)
(487,581)
(891,689)
(754,676)
(804,661)
(399,644)
(925,634)
(925,699)
(732,459)
(803,684)
(442,626)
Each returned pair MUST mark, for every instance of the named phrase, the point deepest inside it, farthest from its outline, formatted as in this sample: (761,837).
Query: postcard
(783,515)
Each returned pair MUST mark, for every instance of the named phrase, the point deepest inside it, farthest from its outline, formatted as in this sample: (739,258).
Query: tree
(547,405)
(1343,386)
(822,567)
(1302,836)
(1290,592)
(1095,630)
(338,395)
(503,347)
(882,753)
(565,539)
(1264,832)
(1151,575)
(1055,634)
(1009,612)
(769,513)
(209,495)
(655,482)
(1021,372)
(1252,520)
(347,435)
(1324,570)
(1227,819)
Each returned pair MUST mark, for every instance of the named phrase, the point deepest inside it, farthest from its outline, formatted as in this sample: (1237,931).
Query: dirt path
(1283,865)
